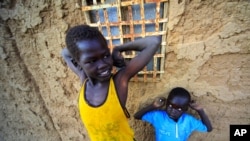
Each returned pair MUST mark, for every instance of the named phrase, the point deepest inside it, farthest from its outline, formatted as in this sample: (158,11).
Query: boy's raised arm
(205,119)
(147,47)
(72,64)
(140,113)
(158,103)
(202,114)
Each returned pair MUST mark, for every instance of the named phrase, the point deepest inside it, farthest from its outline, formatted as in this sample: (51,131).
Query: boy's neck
(95,83)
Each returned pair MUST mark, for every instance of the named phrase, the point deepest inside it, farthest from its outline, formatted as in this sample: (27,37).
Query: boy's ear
(185,108)
(74,62)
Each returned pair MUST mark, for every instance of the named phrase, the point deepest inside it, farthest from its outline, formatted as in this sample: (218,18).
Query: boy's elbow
(153,40)
(209,129)
(136,116)
(157,41)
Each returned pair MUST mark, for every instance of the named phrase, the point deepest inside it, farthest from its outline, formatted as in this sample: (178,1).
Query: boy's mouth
(104,73)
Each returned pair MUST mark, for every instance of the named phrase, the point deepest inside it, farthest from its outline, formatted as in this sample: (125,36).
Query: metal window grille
(121,21)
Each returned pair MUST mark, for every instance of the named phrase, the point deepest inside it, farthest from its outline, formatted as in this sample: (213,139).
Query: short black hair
(179,92)
(82,32)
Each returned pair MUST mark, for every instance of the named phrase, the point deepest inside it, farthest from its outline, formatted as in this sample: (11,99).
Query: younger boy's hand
(195,106)
(159,102)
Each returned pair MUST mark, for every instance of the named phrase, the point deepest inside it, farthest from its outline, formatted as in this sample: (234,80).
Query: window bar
(157,17)
(131,25)
(98,20)
(142,18)
(86,12)
(131,33)
(108,28)
(119,21)
(164,36)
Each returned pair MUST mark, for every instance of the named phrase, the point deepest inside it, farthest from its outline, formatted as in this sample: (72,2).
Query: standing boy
(103,95)
(173,123)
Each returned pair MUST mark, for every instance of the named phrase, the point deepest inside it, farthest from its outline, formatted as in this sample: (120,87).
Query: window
(121,21)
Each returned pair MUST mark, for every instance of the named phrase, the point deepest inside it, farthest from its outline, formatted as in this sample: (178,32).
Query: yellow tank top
(106,122)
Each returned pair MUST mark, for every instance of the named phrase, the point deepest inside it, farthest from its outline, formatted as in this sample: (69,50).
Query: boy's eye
(91,61)
(177,108)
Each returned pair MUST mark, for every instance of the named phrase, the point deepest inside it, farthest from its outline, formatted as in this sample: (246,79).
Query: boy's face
(176,107)
(95,59)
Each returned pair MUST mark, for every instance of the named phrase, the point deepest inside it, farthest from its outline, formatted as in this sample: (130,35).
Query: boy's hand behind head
(159,102)
(118,59)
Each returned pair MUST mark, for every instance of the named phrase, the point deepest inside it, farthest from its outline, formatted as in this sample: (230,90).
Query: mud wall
(208,52)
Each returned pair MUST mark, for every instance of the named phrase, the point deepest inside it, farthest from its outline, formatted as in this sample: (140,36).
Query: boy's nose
(102,64)
(174,111)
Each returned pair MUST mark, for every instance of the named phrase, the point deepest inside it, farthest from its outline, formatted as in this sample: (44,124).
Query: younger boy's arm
(72,64)
(203,115)
(158,103)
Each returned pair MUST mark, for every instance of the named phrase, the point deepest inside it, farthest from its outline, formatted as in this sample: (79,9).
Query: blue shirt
(166,129)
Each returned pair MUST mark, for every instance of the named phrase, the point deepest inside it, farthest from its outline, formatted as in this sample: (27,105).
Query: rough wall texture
(208,52)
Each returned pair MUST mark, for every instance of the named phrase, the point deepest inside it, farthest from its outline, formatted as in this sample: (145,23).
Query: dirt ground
(207,52)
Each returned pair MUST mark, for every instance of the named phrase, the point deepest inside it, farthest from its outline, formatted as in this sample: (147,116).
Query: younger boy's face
(95,59)
(176,107)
